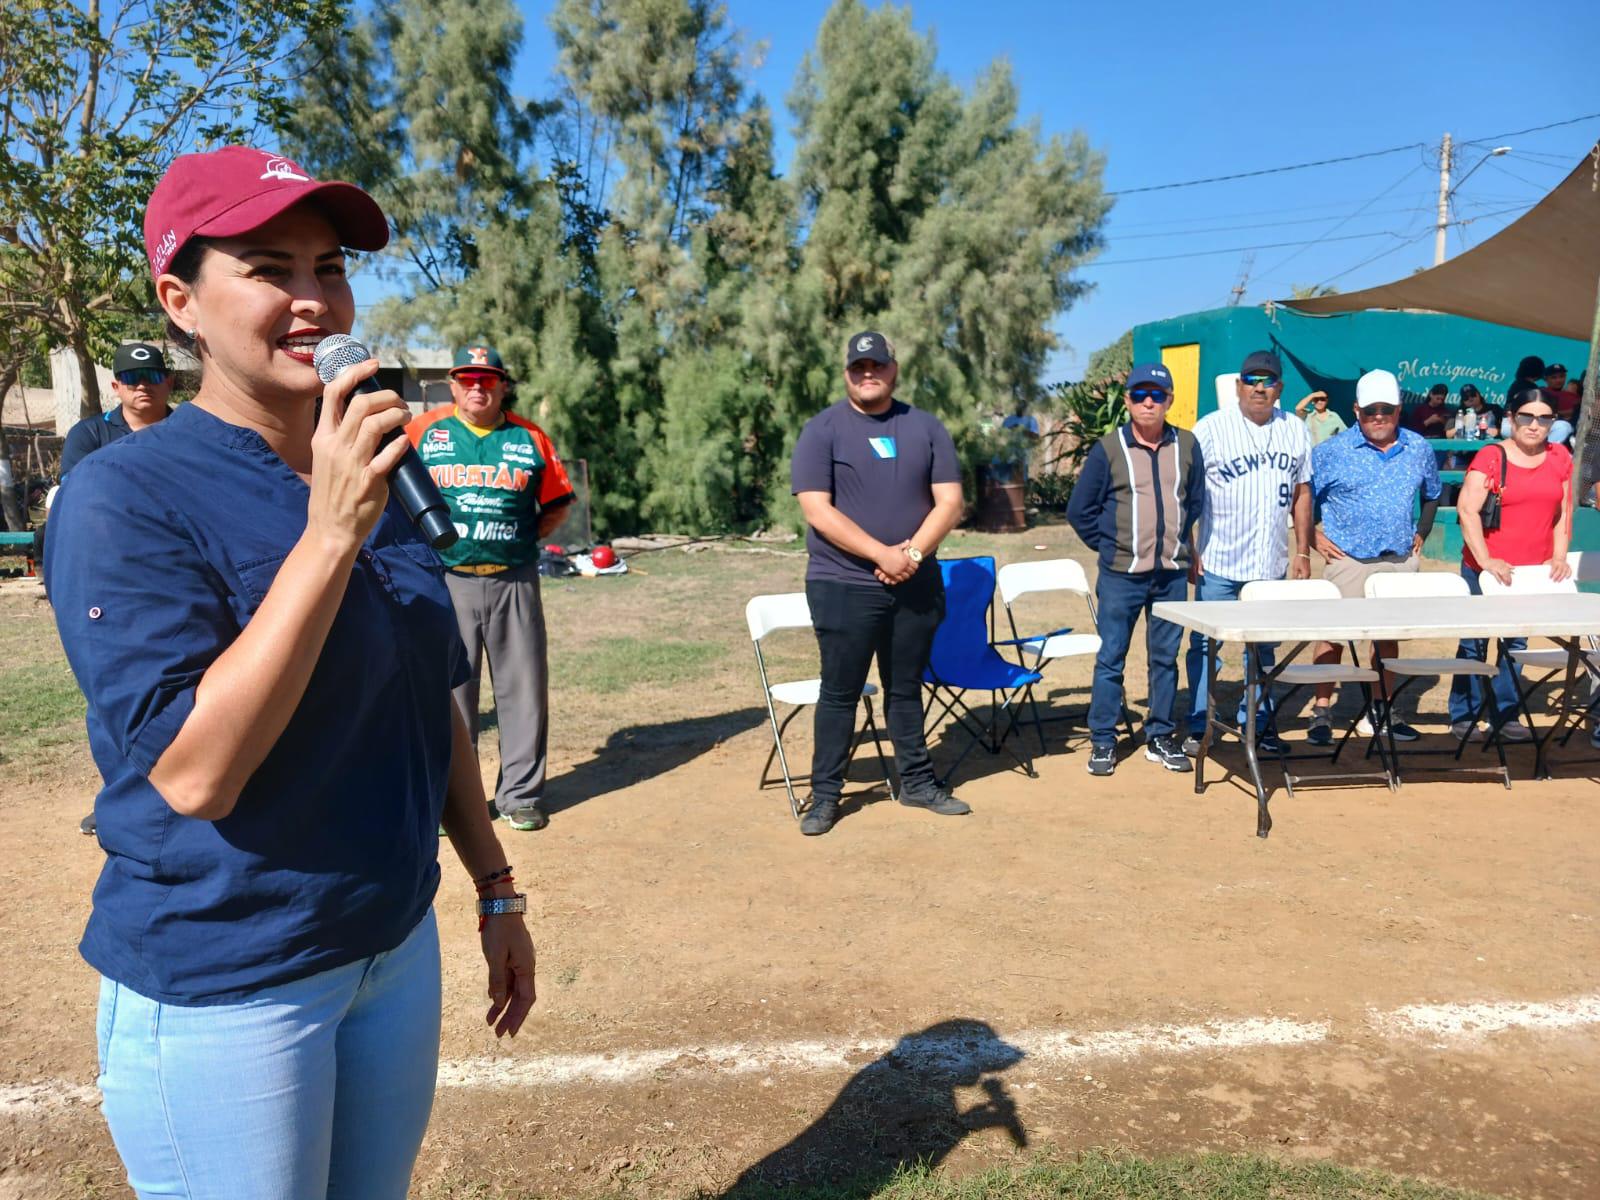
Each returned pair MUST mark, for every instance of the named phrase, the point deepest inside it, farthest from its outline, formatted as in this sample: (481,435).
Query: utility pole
(1444,201)
(1237,294)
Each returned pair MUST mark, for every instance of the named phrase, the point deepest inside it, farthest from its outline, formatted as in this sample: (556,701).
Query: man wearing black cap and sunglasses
(879,485)
(141,383)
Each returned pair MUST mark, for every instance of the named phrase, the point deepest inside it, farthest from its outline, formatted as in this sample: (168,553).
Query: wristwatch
(914,554)
(502,905)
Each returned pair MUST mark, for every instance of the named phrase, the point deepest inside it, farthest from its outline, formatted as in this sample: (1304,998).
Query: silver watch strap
(501,905)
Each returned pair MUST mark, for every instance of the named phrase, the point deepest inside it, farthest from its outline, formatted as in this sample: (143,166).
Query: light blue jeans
(317,1088)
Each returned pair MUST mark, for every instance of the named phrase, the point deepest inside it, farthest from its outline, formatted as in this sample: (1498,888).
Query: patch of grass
(1108,1175)
(617,664)
(1091,1175)
(39,703)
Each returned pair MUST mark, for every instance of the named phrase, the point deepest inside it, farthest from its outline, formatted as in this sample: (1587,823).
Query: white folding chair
(1390,585)
(1300,675)
(1554,662)
(1016,580)
(789,610)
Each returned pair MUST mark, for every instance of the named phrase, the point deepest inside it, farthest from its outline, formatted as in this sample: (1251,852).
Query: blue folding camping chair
(964,659)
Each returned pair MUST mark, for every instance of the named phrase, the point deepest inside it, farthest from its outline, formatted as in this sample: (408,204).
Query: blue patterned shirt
(1367,496)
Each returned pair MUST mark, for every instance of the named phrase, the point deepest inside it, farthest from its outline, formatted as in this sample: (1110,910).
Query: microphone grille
(336,352)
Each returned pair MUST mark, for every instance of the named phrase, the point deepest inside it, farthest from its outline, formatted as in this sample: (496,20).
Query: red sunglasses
(479,379)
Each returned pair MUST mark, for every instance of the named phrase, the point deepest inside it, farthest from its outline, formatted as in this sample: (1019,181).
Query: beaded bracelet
(492,878)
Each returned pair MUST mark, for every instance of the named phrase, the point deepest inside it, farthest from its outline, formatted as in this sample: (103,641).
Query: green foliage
(672,308)
(96,98)
(1087,412)
(1113,361)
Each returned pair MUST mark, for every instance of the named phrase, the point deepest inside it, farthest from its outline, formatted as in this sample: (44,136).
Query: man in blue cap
(1134,504)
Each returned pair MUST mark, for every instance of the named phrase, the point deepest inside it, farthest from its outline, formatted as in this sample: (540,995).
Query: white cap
(1377,387)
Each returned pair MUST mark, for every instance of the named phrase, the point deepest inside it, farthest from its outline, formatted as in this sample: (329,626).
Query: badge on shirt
(883,447)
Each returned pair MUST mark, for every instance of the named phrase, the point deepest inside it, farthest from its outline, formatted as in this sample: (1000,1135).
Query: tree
(1310,291)
(1111,362)
(938,215)
(96,98)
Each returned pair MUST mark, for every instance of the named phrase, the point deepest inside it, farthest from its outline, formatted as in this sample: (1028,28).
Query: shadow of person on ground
(898,1111)
(641,752)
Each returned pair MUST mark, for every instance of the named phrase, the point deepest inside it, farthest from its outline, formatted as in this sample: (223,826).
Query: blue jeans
(1121,598)
(317,1088)
(1215,587)
(1465,690)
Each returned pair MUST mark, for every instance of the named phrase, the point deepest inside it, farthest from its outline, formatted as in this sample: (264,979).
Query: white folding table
(1564,619)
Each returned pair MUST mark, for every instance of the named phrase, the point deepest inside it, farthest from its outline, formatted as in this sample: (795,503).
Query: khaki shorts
(1350,576)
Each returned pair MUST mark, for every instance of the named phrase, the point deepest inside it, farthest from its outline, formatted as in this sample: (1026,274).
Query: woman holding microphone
(267,650)
(1531,479)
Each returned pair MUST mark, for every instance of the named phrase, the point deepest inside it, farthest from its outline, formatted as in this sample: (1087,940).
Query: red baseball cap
(227,192)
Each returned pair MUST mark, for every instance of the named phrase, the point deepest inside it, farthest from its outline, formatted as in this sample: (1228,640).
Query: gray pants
(503,617)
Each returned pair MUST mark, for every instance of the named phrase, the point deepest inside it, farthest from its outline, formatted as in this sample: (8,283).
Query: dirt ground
(679,908)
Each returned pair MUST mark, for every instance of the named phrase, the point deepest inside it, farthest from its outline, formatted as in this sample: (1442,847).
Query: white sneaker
(1463,729)
(1515,731)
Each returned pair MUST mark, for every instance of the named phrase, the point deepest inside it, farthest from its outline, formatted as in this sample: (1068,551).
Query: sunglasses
(1148,396)
(477,379)
(149,376)
(1261,381)
(1378,410)
(1544,420)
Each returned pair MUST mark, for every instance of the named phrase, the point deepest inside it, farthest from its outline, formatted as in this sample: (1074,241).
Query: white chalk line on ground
(957,1048)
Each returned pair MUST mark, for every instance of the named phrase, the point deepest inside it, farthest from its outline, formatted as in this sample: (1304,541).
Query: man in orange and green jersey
(507,491)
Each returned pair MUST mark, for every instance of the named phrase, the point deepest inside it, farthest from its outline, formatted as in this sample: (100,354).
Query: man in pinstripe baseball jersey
(1258,479)
(1135,503)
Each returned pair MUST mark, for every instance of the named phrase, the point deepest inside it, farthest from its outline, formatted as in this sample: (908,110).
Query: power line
(1407,238)
(1325,162)
(1349,237)
(1340,224)
(1497,137)
(1128,237)
(1321,162)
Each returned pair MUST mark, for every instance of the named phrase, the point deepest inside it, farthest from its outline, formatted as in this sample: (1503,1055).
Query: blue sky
(1181,91)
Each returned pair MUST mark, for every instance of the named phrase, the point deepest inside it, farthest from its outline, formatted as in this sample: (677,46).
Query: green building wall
(1329,353)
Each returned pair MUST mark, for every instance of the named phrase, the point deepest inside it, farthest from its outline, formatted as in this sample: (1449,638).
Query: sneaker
(936,800)
(1269,743)
(86,826)
(1102,759)
(494,811)
(1191,744)
(1515,731)
(1319,732)
(1399,730)
(526,818)
(1460,730)
(1168,753)
(819,817)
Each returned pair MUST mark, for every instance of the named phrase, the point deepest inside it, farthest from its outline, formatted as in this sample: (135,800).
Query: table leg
(1574,649)
(1252,698)
(1213,652)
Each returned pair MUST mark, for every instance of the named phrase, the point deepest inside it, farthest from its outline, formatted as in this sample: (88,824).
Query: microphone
(410,480)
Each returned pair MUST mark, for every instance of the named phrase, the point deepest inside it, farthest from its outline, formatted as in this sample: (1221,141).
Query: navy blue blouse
(162,546)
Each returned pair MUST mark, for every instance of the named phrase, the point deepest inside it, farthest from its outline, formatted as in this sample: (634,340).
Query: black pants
(853,623)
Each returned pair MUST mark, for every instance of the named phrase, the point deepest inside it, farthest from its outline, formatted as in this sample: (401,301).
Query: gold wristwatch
(914,554)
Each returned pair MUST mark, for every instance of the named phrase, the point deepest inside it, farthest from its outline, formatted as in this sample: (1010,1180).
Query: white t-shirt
(1251,474)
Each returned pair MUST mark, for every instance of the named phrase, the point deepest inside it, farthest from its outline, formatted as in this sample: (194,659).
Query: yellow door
(1184,363)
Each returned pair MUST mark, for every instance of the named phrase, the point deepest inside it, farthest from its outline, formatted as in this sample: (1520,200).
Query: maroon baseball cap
(227,192)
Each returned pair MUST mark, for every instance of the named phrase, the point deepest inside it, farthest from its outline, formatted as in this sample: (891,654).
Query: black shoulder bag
(1489,514)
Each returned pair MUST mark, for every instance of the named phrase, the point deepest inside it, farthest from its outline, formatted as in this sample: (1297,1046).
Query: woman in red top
(1535,524)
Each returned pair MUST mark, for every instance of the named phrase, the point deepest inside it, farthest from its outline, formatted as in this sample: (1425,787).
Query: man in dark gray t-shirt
(880,486)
